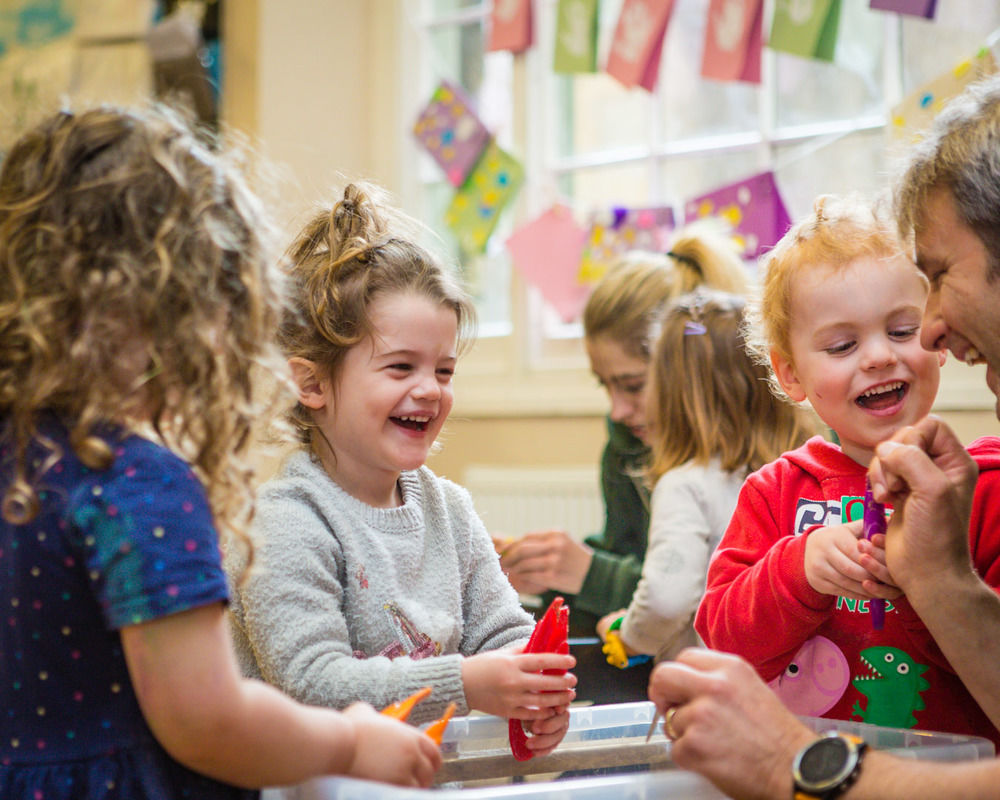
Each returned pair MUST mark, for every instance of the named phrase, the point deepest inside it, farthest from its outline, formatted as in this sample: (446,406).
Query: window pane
(839,166)
(441,7)
(685,178)
(811,91)
(931,50)
(595,113)
(692,106)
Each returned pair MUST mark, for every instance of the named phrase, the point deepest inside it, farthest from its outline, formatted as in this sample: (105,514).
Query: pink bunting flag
(510,25)
(547,253)
(753,208)
(637,45)
(915,8)
(733,40)
(451,132)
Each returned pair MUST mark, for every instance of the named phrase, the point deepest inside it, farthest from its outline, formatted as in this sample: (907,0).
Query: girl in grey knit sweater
(372,576)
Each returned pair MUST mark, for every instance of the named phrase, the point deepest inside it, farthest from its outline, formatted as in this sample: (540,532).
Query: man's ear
(311,385)
(785,373)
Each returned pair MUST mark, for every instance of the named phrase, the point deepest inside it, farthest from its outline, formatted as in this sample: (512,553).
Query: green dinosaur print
(892,685)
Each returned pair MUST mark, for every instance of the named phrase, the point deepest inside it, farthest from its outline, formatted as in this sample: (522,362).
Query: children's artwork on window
(916,8)
(576,36)
(510,25)
(476,206)
(733,40)
(918,108)
(547,252)
(805,28)
(753,208)
(451,132)
(637,45)
(620,230)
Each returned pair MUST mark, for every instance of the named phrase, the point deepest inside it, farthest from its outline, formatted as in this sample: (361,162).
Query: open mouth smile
(882,397)
(412,423)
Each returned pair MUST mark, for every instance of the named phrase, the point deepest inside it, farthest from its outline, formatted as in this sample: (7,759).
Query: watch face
(825,762)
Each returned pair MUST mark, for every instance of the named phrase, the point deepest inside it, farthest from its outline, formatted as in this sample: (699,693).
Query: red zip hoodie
(820,652)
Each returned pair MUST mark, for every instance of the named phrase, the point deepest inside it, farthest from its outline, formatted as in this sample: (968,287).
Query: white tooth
(971,356)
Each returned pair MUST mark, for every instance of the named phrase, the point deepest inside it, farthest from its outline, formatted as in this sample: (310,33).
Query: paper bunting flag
(805,27)
(733,40)
(619,231)
(451,132)
(753,208)
(476,206)
(916,8)
(919,108)
(547,253)
(638,42)
(576,36)
(510,25)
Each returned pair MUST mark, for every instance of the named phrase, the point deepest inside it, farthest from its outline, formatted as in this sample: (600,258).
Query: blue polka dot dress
(109,548)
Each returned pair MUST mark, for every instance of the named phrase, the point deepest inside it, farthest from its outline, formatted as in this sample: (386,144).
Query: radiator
(515,500)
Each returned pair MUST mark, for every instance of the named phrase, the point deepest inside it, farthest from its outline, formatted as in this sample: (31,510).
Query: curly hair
(341,261)
(637,287)
(138,287)
(839,231)
(961,154)
(708,398)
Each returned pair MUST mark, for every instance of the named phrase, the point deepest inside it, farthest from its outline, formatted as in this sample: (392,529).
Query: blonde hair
(344,258)
(839,231)
(959,154)
(708,399)
(122,231)
(636,288)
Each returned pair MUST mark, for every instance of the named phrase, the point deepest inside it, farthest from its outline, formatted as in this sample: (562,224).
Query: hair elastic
(683,259)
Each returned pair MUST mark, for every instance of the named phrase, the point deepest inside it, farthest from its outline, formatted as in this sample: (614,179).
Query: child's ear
(312,392)
(785,373)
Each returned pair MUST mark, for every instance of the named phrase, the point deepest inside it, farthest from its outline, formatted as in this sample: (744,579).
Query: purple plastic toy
(874,522)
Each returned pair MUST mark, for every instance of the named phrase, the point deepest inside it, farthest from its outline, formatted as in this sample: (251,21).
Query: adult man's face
(963,307)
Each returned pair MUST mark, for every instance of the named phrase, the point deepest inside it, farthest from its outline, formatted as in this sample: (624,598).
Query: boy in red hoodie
(789,586)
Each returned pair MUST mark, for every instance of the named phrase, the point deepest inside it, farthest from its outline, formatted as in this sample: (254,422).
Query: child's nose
(427,387)
(879,353)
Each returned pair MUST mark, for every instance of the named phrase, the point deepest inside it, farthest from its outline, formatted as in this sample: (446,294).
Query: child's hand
(605,622)
(872,558)
(510,684)
(833,563)
(387,749)
(545,734)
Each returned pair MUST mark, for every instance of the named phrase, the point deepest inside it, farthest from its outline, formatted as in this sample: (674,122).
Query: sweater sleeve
(291,619)
(758,603)
(659,618)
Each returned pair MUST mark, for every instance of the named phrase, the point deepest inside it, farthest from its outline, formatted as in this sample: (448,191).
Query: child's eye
(401,367)
(840,349)
(903,334)
(446,373)
(634,388)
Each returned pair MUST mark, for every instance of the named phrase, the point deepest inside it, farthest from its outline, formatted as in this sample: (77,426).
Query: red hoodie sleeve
(758,602)
(984,524)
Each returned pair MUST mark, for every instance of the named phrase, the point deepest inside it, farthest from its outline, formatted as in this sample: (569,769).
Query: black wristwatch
(826,767)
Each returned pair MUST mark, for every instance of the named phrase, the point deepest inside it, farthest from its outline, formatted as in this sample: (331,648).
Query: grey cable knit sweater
(345,602)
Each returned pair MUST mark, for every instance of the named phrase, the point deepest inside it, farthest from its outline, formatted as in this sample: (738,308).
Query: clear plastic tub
(604,754)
